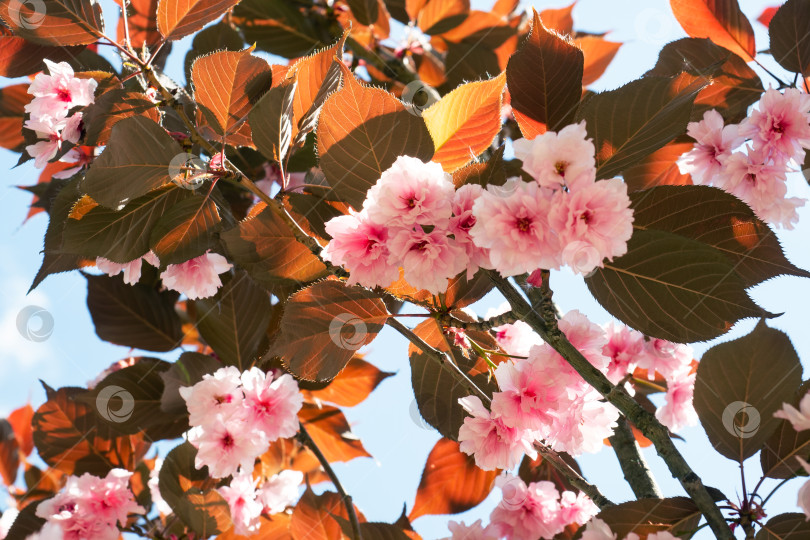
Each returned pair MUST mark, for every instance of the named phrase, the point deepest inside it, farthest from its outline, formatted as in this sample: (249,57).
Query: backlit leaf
(9,453)
(13,100)
(186,371)
(352,385)
(142,23)
(20,420)
(179,18)
(365,11)
(559,19)
(439,16)
(185,231)
(110,108)
(19,57)
(54,22)
(722,21)
(271,121)
(313,516)
(658,168)
(598,53)
(331,432)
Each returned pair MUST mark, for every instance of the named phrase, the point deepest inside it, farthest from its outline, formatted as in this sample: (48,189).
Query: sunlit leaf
(352,385)
(179,18)
(439,16)
(185,231)
(722,21)
(598,53)
(331,432)
(54,22)
(313,516)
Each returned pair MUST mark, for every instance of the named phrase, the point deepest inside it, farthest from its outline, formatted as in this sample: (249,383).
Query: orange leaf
(312,517)
(13,100)
(658,169)
(559,19)
(438,16)
(288,454)
(451,482)
(722,21)
(331,432)
(598,54)
(19,57)
(20,420)
(353,385)
(178,18)
(766,15)
(142,19)
(361,132)
(545,81)
(55,22)
(9,453)
(275,527)
(465,121)
(504,8)
(224,84)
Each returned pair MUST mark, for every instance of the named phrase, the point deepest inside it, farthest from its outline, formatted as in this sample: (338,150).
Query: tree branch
(634,466)
(548,454)
(447,319)
(546,326)
(303,435)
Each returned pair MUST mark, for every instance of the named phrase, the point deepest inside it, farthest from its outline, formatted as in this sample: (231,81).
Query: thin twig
(634,466)
(447,319)
(347,499)
(546,326)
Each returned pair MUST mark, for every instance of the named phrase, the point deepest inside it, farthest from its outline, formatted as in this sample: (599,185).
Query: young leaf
(266,247)
(120,236)
(135,316)
(54,22)
(136,161)
(545,81)
(672,287)
(352,385)
(740,384)
(331,432)
(179,18)
(234,321)
(186,230)
(465,121)
(361,132)
(633,121)
(324,324)
(788,30)
(778,456)
(722,21)
(226,85)
(191,493)
(451,482)
(676,515)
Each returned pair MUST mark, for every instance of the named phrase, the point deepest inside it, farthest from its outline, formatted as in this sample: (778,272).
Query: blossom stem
(775,489)
(548,454)
(305,438)
(634,466)
(544,322)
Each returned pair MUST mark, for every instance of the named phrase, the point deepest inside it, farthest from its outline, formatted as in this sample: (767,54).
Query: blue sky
(386,422)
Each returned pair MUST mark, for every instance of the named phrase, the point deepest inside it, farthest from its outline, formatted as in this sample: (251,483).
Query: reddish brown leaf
(178,18)
(537,470)
(361,132)
(142,23)
(439,16)
(645,516)
(331,432)
(9,453)
(185,231)
(13,100)
(788,31)
(224,83)
(312,517)
(722,21)
(658,169)
(504,8)
(324,324)
(54,22)
(289,454)
(20,420)
(545,81)
(19,57)
(778,455)
(598,54)
(353,385)
(465,121)
(766,15)
(110,108)
(559,19)
(451,482)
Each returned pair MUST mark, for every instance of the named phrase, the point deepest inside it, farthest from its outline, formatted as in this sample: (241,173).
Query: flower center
(560,167)
(586,216)
(420,246)
(751,177)
(227,398)
(64,95)
(523,224)
(227,441)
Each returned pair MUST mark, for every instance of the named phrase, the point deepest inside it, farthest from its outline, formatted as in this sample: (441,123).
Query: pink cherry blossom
(671,360)
(460,224)
(489,440)
(623,348)
(679,411)
(160,503)
(50,531)
(576,508)
(781,212)
(223,445)
(582,425)
(80,156)
(596,529)
(198,277)
(589,338)
(526,397)
(55,94)
(598,216)
(799,418)
(55,132)
(411,192)
(242,500)
(360,245)
(511,223)
(216,394)
(713,145)
(273,403)
(474,531)
(280,491)
(780,125)
(559,159)
(803,500)
(516,338)
(750,177)
(429,259)
(132,269)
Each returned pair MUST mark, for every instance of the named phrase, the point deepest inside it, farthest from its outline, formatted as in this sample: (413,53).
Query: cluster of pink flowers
(196,278)
(235,416)
(414,218)
(800,420)
(528,512)
(596,529)
(89,507)
(777,134)
(247,503)
(54,96)
(543,399)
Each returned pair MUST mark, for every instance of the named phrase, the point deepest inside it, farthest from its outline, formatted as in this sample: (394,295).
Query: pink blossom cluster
(564,217)
(800,420)
(89,507)
(247,502)
(596,529)
(54,96)
(528,512)
(196,278)
(235,416)
(542,399)
(751,159)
